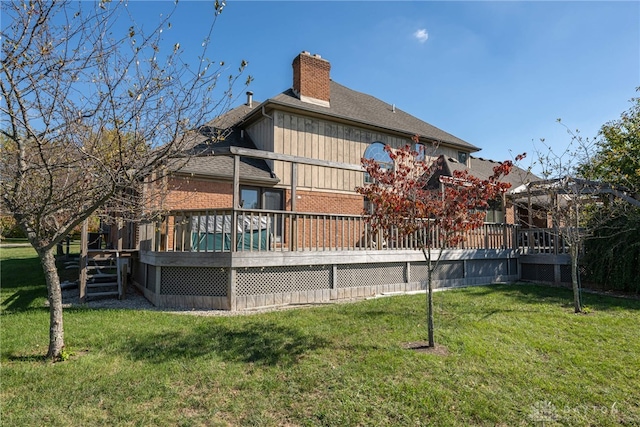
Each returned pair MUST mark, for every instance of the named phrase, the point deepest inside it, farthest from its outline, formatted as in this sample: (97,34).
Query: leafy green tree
(612,255)
(617,157)
(92,105)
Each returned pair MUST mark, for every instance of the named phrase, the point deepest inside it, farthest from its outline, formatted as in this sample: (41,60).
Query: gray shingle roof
(483,168)
(346,104)
(202,163)
(365,109)
(251,170)
(351,105)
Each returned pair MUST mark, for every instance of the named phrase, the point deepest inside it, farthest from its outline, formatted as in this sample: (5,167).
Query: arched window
(377,152)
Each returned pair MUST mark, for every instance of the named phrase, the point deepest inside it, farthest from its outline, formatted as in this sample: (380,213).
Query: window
(250,198)
(462,157)
(377,152)
(420,149)
(495,212)
(261,198)
(271,199)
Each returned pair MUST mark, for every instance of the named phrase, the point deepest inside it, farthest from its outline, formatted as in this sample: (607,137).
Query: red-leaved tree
(405,201)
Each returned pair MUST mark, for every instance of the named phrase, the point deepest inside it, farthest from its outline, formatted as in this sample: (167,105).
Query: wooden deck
(282,257)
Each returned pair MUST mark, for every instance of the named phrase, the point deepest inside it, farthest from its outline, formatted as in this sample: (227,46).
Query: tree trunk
(432,342)
(574,278)
(427,255)
(54,295)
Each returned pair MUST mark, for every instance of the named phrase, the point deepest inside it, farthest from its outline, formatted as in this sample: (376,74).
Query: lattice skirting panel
(354,275)
(444,271)
(274,280)
(202,281)
(538,272)
(565,274)
(208,286)
(487,268)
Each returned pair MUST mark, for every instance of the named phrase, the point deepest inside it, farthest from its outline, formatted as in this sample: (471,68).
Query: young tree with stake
(404,204)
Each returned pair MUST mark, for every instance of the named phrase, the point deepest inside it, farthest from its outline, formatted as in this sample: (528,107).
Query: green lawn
(517,355)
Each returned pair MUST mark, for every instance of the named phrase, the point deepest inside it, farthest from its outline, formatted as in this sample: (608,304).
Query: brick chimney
(311,78)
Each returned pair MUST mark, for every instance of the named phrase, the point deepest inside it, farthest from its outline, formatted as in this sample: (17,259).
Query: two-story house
(315,119)
(266,211)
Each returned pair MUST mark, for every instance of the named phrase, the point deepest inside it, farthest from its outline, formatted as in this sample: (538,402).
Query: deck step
(103,278)
(101,285)
(103,294)
(96,277)
(101,267)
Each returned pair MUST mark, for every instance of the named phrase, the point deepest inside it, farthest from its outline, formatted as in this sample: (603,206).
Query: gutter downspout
(265,114)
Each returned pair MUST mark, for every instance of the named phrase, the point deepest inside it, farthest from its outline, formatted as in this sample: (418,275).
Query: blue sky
(496,74)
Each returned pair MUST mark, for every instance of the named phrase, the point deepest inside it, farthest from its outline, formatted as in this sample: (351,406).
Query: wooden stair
(105,275)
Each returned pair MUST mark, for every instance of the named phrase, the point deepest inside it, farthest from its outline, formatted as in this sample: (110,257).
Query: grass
(517,356)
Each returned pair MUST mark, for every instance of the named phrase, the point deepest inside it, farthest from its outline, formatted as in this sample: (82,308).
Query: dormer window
(462,157)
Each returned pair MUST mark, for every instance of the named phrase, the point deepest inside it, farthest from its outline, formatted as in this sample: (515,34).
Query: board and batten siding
(261,133)
(315,138)
(320,139)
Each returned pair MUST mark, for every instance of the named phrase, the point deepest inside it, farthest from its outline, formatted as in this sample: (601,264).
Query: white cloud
(421,35)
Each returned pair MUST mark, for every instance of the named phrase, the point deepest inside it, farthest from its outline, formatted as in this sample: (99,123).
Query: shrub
(612,254)
(9,228)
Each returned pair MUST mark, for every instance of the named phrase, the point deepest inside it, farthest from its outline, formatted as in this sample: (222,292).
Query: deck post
(157,235)
(485,228)
(530,220)
(120,225)
(231,289)
(158,285)
(333,291)
(505,234)
(407,272)
(293,244)
(84,245)
(235,203)
(557,274)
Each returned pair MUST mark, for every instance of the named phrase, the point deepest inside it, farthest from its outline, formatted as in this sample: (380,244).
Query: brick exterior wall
(321,202)
(311,76)
(189,193)
(510,217)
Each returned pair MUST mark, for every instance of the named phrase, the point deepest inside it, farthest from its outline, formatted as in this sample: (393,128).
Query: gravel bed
(134,300)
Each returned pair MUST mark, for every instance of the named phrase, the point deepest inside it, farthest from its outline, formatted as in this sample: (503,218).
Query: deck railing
(213,230)
(544,240)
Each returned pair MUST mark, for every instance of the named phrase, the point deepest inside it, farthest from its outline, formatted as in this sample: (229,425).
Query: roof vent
(249,99)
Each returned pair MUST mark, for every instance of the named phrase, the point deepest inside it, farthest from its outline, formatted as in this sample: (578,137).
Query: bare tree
(568,199)
(92,105)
